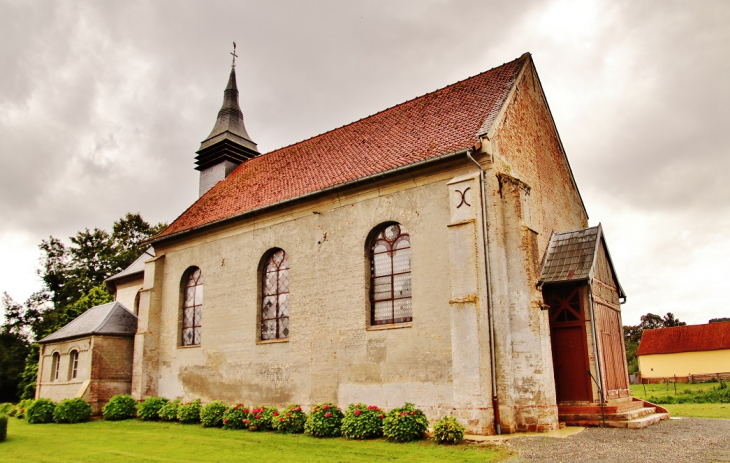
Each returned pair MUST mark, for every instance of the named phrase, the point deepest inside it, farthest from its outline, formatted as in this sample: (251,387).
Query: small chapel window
(275,296)
(390,276)
(73,364)
(192,307)
(55,364)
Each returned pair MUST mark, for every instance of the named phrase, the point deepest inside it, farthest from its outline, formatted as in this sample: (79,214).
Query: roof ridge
(106,318)
(523,56)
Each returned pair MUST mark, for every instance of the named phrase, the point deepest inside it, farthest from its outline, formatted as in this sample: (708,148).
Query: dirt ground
(675,440)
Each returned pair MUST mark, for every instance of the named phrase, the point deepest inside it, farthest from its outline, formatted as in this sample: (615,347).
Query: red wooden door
(569,361)
(569,343)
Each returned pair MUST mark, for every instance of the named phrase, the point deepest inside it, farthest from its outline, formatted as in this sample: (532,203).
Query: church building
(437,252)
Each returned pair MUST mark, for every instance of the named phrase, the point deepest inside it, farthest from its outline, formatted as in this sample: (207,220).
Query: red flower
(382,416)
(325,407)
(258,417)
(327,415)
(357,412)
(298,409)
(281,419)
(225,420)
(276,413)
(315,409)
(413,413)
(288,415)
(245,420)
(245,410)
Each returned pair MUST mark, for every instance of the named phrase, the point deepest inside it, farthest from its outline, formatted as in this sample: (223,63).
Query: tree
(718,320)
(14,348)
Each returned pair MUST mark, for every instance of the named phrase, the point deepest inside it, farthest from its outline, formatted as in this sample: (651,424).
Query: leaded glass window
(192,308)
(275,297)
(390,276)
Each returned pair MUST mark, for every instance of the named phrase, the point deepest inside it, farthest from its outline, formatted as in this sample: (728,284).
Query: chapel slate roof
(689,338)
(135,267)
(571,256)
(110,319)
(433,125)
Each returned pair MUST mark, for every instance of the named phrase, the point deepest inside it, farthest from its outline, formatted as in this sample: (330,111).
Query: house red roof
(432,125)
(690,338)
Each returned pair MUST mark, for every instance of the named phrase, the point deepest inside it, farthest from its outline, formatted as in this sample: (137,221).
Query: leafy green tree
(14,347)
(718,320)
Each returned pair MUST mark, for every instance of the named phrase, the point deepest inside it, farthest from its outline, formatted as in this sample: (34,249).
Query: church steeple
(228,144)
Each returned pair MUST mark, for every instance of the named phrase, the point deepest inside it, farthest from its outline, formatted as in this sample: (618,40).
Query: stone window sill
(395,326)
(196,346)
(272,341)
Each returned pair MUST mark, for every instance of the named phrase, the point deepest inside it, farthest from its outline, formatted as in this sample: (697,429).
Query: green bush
(22,407)
(236,417)
(150,408)
(362,422)
(189,412)
(324,421)
(448,431)
(3,427)
(211,416)
(72,411)
(716,395)
(168,412)
(259,419)
(120,407)
(405,424)
(290,420)
(40,411)
(7,409)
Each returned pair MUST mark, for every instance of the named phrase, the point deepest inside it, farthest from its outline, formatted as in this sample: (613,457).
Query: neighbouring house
(685,351)
(437,252)
(90,357)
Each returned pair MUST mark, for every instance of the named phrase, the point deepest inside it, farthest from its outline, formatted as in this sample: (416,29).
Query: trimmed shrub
(211,416)
(324,421)
(40,411)
(290,420)
(236,417)
(405,424)
(72,411)
(7,409)
(3,427)
(448,431)
(150,408)
(120,407)
(189,412)
(259,418)
(168,412)
(362,422)
(22,407)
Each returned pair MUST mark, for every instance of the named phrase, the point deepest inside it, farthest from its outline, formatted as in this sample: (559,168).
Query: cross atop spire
(233,66)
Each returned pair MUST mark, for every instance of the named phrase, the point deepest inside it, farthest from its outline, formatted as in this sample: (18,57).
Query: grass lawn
(135,440)
(693,410)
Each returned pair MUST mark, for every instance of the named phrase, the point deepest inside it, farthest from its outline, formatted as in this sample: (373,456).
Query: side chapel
(437,252)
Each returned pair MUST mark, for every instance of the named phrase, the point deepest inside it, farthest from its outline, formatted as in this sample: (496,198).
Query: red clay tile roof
(690,338)
(435,124)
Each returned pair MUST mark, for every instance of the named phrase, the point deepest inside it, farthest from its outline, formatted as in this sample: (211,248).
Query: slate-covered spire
(228,144)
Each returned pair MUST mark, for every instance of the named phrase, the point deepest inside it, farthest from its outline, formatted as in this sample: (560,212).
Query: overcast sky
(103,105)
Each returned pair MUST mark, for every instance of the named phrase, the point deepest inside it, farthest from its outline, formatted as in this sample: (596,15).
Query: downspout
(595,353)
(492,352)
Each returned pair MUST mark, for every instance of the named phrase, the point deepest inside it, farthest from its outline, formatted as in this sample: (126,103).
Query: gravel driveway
(676,440)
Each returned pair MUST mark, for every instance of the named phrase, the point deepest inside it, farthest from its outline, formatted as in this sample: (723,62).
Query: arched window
(73,364)
(275,296)
(55,364)
(192,307)
(390,276)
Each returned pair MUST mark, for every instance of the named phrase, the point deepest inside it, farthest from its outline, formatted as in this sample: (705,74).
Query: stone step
(636,423)
(591,409)
(625,416)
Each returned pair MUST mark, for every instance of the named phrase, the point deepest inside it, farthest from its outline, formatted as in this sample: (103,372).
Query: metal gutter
(356,181)
(490,313)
